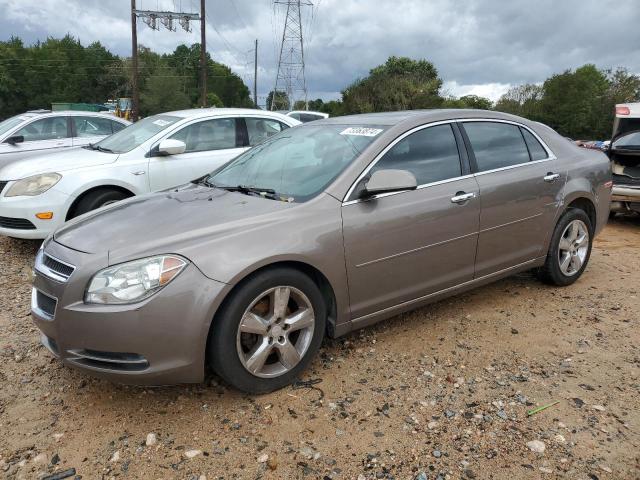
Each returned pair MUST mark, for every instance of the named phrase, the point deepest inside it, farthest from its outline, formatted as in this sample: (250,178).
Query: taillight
(623,111)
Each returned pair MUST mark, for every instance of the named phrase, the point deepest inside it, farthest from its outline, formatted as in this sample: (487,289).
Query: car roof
(421,116)
(308,111)
(67,113)
(209,112)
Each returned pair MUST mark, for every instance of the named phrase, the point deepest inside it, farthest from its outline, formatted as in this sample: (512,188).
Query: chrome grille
(53,268)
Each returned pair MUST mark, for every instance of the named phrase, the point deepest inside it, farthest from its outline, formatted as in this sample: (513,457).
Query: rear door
(210,144)
(520,185)
(47,133)
(406,245)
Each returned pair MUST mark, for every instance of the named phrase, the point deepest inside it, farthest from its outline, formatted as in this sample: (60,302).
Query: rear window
(536,149)
(496,145)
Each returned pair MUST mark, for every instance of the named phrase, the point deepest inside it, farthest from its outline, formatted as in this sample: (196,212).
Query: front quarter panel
(309,233)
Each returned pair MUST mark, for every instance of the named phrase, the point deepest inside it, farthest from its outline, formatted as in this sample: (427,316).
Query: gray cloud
(477,45)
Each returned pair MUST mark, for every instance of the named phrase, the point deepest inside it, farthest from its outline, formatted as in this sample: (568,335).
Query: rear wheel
(96,199)
(570,249)
(268,331)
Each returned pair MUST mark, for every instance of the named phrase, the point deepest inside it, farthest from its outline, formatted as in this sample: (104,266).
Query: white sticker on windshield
(161,123)
(362,131)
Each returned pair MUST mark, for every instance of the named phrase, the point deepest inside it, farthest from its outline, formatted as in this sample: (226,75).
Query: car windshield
(298,163)
(630,140)
(134,135)
(10,123)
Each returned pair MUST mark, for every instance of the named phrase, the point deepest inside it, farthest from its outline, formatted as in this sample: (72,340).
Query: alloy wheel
(275,332)
(573,247)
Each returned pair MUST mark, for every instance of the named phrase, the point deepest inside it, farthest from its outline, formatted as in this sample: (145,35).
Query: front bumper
(21,212)
(159,341)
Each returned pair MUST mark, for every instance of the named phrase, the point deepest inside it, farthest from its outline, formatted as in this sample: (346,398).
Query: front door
(210,144)
(43,134)
(403,246)
(520,185)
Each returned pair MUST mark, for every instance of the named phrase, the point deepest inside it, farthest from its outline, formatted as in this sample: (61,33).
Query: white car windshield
(131,137)
(298,163)
(10,123)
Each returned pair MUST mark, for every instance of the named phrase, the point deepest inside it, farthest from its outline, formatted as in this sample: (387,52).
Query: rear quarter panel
(588,172)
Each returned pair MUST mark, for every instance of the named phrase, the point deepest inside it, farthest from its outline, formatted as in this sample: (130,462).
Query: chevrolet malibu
(319,230)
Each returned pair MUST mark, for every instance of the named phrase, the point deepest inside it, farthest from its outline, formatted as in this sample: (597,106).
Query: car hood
(59,161)
(171,221)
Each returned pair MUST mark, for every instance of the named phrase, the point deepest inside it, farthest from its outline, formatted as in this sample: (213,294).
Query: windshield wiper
(102,149)
(269,193)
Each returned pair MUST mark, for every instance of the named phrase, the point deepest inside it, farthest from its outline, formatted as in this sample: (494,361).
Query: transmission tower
(290,77)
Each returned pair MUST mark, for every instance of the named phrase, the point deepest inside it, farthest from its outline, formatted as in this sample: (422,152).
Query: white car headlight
(34,185)
(133,281)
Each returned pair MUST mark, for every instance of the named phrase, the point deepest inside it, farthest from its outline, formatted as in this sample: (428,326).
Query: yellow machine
(123,108)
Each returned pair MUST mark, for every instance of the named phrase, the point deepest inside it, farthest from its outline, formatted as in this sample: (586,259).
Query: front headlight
(133,281)
(34,185)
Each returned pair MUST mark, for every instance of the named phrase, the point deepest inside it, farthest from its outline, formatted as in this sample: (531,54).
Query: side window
(91,126)
(536,150)
(216,134)
(295,116)
(431,154)
(496,145)
(308,117)
(44,129)
(259,129)
(116,126)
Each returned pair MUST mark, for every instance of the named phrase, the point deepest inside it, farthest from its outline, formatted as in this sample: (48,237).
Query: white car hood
(60,161)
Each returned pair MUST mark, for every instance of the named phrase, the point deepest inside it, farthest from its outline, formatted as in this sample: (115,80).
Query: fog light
(44,215)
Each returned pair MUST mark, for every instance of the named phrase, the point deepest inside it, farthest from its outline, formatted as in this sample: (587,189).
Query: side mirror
(169,146)
(15,139)
(386,181)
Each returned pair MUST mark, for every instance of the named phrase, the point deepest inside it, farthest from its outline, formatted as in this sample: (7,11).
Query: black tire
(551,272)
(96,199)
(223,355)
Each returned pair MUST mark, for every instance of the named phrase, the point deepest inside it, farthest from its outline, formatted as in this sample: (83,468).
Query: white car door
(210,143)
(91,129)
(43,134)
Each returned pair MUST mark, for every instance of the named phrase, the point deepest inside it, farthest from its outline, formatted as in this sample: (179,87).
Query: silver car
(319,230)
(41,131)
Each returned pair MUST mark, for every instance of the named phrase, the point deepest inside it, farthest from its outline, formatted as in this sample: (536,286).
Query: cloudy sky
(479,46)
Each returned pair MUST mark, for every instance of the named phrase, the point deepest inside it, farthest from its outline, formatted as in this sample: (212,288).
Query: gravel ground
(442,392)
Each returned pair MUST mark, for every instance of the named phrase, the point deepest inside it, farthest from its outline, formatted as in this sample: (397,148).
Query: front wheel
(268,331)
(570,249)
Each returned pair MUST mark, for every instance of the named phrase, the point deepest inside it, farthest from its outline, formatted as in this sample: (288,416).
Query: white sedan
(40,131)
(39,194)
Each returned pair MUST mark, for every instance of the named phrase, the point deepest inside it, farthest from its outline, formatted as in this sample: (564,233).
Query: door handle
(141,172)
(462,197)
(551,177)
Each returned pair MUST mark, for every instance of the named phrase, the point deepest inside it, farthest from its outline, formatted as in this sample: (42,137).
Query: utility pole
(151,17)
(134,64)
(291,76)
(203,52)
(255,76)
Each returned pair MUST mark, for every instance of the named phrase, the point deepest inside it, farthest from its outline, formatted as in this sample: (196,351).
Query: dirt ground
(442,392)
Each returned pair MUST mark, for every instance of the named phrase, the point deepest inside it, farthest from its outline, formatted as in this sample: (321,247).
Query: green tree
(575,103)
(524,100)
(468,101)
(154,98)
(400,84)
(281,101)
